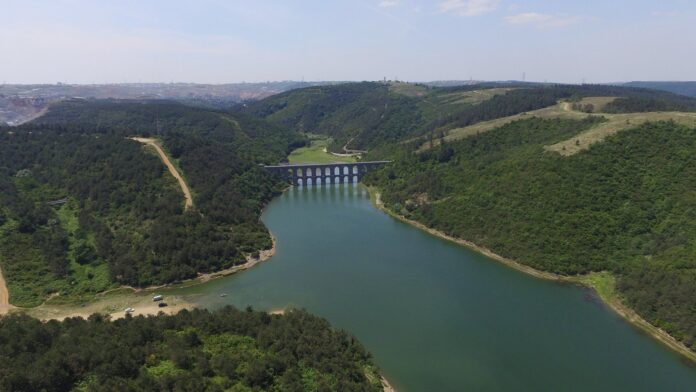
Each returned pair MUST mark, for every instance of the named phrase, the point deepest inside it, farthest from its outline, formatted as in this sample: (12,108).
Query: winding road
(165,158)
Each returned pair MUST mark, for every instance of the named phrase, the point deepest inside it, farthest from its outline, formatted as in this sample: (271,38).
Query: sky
(225,41)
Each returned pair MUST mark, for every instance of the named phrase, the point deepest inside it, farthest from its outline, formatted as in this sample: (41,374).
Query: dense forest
(226,350)
(124,222)
(649,104)
(359,113)
(626,205)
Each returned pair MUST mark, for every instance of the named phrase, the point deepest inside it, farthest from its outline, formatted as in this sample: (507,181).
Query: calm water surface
(436,316)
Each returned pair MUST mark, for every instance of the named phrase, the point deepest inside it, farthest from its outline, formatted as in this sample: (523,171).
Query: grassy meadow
(317,153)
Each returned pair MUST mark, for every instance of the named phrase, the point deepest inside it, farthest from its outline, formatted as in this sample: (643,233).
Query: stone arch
(317,171)
(337,180)
(327,171)
(300,181)
(355,179)
(355,169)
(345,179)
(299,172)
(310,181)
(337,171)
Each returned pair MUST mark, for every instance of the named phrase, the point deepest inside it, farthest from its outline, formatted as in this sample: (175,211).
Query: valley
(467,164)
(373,196)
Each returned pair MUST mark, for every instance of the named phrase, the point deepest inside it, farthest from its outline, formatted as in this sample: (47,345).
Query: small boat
(223,295)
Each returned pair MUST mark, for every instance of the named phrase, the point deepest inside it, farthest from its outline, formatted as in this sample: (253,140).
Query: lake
(437,316)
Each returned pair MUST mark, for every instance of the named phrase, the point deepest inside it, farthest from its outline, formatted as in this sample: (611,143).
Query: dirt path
(4,296)
(170,166)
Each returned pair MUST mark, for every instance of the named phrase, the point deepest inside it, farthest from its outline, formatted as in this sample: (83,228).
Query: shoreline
(614,303)
(386,386)
(113,303)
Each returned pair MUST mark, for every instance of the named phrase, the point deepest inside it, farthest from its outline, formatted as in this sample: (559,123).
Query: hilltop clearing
(586,107)
(472,97)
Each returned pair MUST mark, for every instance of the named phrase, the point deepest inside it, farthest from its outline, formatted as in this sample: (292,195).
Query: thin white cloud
(542,20)
(469,7)
(388,3)
(665,14)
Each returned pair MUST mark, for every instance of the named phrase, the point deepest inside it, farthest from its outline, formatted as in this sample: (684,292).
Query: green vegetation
(363,113)
(124,222)
(316,152)
(228,350)
(472,97)
(520,171)
(625,206)
(604,283)
(374,116)
(576,109)
(650,104)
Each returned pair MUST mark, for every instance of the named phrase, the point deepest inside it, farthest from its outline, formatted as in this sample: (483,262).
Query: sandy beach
(387,386)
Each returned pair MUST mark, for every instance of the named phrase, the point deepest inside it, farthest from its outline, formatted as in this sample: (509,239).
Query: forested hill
(682,88)
(251,138)
(368,115)
(228,350)
(568,179)
(625,205)
(124,221)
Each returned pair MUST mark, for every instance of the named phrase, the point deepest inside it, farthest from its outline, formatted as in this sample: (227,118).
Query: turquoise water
(436,316)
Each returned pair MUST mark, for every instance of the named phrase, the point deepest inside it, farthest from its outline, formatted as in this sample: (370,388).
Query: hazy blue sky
(81,41)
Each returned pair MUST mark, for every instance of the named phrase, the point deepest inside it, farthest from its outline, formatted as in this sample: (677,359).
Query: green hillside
(625,205)
(124,221)
(566,179)
(371,115)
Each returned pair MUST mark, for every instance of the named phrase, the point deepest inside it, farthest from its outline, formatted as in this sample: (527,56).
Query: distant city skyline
(218,41)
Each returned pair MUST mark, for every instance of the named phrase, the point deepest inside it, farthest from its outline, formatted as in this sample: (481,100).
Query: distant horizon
(230,41)
(475,81)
